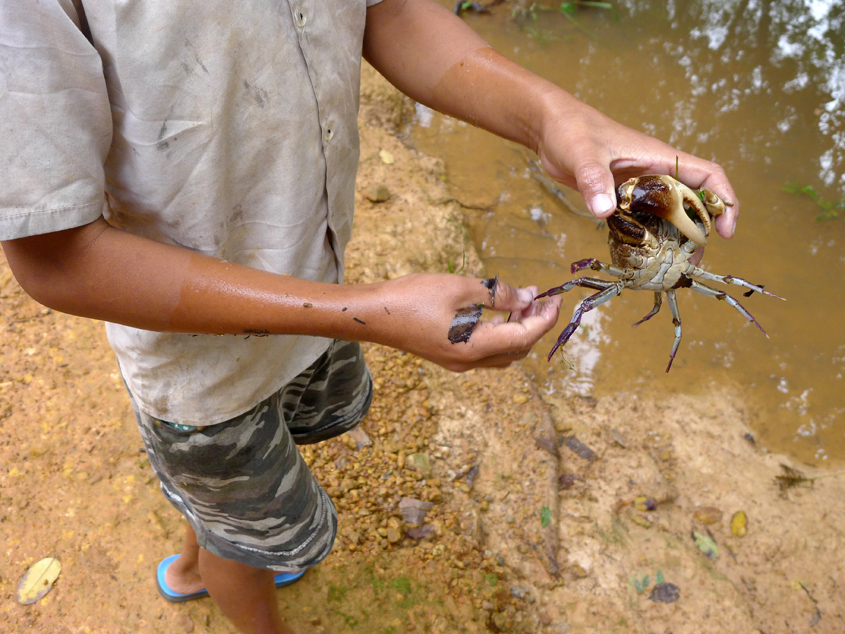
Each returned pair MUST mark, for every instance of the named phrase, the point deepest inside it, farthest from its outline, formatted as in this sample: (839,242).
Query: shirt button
(299,17)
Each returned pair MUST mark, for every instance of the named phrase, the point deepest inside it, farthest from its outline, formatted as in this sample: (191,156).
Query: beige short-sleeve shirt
(226,128)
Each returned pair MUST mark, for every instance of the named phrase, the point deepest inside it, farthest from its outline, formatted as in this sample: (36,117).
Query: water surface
(756,86)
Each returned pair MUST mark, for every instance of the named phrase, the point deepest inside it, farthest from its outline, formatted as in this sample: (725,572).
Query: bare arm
(101,272)
(430,54)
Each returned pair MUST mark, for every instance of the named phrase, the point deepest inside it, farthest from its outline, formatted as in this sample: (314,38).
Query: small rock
(186,624)
(393,534)
(359,437)
(502,621)
(420,462)
(520,399)
(377,193)
(618,438)
(568,480)
(418,532)
(665,593)
(413,515)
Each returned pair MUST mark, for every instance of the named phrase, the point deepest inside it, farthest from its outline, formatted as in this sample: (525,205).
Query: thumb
(595,182)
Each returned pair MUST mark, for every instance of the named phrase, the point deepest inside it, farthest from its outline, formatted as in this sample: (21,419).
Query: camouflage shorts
(243,485)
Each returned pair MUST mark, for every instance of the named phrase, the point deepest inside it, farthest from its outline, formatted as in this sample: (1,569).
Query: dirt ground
(469,504)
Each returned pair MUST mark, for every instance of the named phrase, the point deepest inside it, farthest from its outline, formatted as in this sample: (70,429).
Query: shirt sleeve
(55,120)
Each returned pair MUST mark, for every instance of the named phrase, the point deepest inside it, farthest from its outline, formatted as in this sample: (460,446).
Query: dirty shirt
(228,129)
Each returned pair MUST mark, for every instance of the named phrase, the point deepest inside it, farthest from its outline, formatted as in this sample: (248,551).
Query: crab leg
(676,320)
(730,279)
(587,282)
(596,265)
(608,290)
(658,300)
(712,292)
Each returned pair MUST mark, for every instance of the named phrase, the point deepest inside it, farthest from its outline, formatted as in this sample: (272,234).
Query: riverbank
(470,503)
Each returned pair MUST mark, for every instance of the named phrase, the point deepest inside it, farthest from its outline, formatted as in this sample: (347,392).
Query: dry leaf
(643,503)
(38,580)
(386,157)
(708,515)
(739,523)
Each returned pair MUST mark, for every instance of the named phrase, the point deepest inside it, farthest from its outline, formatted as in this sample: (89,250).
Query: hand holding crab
(652,238)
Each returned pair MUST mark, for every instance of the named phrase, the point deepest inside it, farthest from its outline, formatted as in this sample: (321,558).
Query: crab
(657,225)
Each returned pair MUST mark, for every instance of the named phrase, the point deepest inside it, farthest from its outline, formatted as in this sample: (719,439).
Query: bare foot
(183,576)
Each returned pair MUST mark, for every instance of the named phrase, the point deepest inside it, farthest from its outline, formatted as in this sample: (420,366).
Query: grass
(829,209)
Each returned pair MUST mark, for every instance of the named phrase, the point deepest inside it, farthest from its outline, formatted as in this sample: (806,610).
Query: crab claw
(715,205)
(664,197)
(677,215)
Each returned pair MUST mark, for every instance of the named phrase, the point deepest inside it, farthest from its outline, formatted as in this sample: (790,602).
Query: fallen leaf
(643,503)
(38,580)
(386,157)
(706,544)
(739,524)
(545,516)
(708,515)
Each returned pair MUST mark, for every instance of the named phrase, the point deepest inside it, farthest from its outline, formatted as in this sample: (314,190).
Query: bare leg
(246,595)
(183,575)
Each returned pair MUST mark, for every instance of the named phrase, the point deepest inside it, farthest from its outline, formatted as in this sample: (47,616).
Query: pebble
(377,193)
(420,462)
(186,624)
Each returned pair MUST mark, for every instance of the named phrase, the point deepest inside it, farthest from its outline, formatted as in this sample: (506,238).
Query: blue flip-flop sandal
(282,579)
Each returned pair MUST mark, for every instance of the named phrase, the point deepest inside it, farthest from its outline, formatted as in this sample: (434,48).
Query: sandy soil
(527,514)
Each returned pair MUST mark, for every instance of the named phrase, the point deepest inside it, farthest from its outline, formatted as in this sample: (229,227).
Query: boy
(185,170)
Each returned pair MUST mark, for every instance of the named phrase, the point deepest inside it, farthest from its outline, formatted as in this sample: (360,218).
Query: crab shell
(666,198)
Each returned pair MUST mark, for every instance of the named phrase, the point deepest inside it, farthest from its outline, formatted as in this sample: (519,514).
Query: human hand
(584,149)
(420,310)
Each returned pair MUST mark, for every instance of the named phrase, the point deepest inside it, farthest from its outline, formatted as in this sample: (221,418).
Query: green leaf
(545,516)
(658,578)
(705,544)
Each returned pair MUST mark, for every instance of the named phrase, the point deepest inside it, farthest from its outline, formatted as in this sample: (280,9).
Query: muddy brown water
(757,87)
